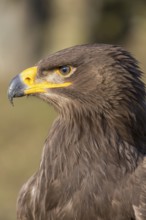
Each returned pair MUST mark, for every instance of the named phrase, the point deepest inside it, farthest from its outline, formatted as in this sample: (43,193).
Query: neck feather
(86,142)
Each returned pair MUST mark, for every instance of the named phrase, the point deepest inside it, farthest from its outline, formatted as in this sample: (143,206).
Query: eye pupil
(64,70)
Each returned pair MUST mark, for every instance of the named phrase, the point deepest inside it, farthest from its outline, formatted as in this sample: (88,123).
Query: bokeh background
(31,29)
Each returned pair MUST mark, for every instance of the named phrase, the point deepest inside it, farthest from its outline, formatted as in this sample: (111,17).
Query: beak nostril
(28,80)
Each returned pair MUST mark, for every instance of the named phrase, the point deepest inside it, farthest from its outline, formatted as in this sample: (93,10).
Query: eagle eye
(65,70)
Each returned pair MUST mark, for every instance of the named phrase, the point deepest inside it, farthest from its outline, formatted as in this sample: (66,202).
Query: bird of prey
(93,164)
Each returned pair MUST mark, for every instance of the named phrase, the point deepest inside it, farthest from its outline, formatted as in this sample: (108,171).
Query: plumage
(93,162)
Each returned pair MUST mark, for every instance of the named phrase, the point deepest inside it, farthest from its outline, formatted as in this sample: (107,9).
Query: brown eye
(64,70)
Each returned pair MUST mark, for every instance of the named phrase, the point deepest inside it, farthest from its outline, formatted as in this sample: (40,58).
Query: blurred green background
(31,29)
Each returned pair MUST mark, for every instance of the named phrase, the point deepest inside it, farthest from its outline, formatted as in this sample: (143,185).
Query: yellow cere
(42,87)
(28,77)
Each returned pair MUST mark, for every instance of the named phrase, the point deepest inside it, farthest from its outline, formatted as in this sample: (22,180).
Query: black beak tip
(10,97)
(16,88)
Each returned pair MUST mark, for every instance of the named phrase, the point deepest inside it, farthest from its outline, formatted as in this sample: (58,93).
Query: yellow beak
(26,83)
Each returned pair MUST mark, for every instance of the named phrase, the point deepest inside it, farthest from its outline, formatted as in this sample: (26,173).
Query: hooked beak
(26,83)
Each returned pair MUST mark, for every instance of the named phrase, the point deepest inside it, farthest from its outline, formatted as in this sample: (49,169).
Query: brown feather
(91,167)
